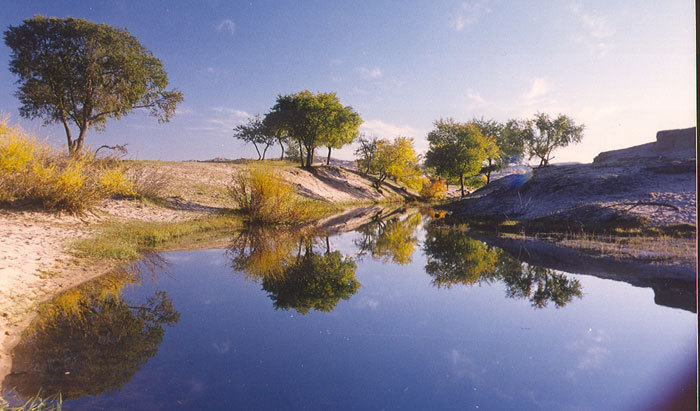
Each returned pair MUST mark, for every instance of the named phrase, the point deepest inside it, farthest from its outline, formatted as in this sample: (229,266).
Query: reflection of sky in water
(401,343)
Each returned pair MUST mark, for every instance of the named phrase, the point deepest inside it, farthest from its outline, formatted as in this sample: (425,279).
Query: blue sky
(625,69)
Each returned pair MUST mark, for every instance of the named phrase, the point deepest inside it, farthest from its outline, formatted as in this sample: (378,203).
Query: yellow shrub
(266,198)
(32,173)
(436,190)
(115,182)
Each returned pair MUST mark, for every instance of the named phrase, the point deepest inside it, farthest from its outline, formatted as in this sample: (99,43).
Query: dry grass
(32,173)
(267,199)
(660,248)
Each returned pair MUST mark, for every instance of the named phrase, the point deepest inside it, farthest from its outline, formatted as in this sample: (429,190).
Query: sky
(624,69)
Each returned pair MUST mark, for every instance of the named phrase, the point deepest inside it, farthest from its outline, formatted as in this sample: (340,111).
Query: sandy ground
(35,259)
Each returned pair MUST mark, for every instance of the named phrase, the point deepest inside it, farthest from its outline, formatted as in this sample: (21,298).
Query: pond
(397,314)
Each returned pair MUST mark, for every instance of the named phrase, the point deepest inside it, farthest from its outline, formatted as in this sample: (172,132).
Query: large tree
(543,135)
(76,71)
(456,150)
(313,120)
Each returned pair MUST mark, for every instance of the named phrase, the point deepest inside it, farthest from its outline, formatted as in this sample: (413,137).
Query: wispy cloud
(540,87)
(475,99)
(216,120)
(226,25)
(469,14)
(382,129)
(597,31)
(591,351)
(369,73)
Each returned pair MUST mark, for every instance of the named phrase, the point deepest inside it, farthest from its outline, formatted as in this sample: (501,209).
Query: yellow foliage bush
(268,199)
(435,190)
(33,173)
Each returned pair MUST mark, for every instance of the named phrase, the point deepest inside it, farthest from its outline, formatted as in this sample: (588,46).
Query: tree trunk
(488,172)
(461,183)
(281,148)
(265,150)
(328,160)
(258,151)
(301,154)
(328,246)
(77,145)
(309,157)
(68,136)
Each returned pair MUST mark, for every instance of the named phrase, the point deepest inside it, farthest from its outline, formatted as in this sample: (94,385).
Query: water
(394,316)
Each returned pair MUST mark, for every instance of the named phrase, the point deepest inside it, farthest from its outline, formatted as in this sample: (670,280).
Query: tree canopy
(456,150)
(504,144)
(396,159)
(76,71)
(313,120)
(543,135)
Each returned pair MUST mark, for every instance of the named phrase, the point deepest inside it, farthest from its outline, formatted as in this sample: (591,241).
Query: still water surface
(396,315)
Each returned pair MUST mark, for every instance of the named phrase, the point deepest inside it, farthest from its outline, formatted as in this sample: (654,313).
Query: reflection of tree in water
(293,270)
(390,239)
(88,340)
(261,252)
(455,258)
(538,284)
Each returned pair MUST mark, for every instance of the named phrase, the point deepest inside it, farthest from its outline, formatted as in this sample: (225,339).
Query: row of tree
(459,151)
(303,121)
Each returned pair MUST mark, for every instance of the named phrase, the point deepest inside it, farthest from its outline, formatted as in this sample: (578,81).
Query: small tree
(543,135)
(457,150)
(504,144)
(365,153)
(397,160)
(76,71)
(255,131)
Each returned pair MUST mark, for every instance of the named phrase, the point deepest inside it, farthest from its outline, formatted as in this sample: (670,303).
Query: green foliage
(292,270)
(313,281)
(33,173)
(543,135)
(76,71)
(455,258)
(456,150)
(313,120)
(255,131)
(398,160)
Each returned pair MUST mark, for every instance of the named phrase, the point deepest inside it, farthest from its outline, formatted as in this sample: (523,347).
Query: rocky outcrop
(651,185)
(669,145)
